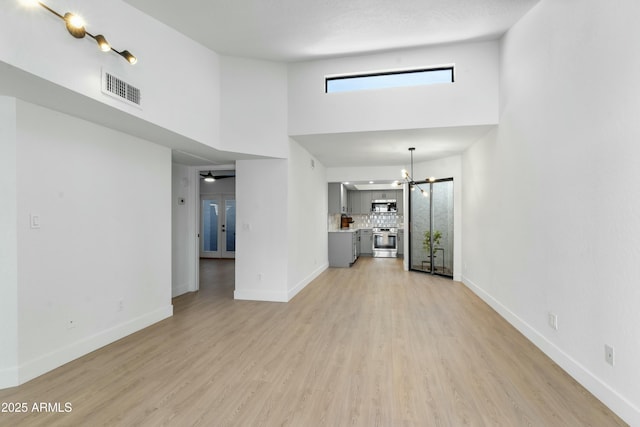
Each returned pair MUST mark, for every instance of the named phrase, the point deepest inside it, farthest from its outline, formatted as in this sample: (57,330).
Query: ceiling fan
(209,177)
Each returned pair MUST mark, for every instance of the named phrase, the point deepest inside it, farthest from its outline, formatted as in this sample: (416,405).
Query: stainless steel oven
(385,242)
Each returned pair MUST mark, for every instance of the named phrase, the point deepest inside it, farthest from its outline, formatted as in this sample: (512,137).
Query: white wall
(179,78)
(364,173)
(102,256)
(183,230)
(279,248)
(261,230)
(219,186)
(281,225)
(471,100)
(254,107)
(551,199)
(307,219)
(8,245)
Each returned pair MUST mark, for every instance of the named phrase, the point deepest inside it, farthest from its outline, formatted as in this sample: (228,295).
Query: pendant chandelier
(408,177)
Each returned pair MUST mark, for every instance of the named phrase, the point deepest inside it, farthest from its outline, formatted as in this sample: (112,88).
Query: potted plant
(426,243)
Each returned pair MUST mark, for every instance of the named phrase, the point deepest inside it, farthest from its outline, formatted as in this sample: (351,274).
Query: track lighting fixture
(76,27)
(103,43)
(128,56)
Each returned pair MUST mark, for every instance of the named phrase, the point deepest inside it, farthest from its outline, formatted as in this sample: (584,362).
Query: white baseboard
(304,282)
(616,402)
(43,364)
(260,295)
(277,296)
(179,290)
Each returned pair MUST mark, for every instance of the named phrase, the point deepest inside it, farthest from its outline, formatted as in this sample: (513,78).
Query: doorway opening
(215,211)
(431,228)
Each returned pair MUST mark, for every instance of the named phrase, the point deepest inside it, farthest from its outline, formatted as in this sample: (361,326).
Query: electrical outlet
(120,305)
(609,355)
(553,321)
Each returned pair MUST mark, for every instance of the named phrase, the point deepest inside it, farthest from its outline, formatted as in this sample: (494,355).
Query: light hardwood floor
(372,345)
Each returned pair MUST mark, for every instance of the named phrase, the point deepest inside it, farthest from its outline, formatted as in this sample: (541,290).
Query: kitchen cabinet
(400,201)
(343,248)
(366,242)
(400,243)
(365,202)
(337,198)
(359,201)
(353,202)
(384,195)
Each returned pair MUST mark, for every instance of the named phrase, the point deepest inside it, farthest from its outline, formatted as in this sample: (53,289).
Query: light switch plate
(34,221)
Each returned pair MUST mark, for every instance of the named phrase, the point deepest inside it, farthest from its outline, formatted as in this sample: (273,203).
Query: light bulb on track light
(102,43)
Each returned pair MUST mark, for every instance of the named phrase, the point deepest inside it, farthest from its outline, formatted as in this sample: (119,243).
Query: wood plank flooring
(372,345)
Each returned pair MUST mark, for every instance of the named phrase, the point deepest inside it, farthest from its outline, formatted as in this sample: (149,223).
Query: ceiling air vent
(118,88)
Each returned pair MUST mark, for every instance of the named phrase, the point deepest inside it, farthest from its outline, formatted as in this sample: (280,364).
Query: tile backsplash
(378,219)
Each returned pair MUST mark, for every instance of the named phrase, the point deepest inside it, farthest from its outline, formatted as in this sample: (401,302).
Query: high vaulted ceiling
(293,30)
(298,30)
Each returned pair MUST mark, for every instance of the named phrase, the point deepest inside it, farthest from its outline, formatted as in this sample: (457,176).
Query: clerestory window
(389,79)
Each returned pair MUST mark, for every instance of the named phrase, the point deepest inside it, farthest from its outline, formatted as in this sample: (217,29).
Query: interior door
(442,227)
(431,227)
(210,226)
(420,225)
(228,235)
(217,226)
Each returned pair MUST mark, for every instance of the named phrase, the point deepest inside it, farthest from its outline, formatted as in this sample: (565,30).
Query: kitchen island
(344,247)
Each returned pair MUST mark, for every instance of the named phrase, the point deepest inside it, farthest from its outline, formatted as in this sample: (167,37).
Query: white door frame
(195,218)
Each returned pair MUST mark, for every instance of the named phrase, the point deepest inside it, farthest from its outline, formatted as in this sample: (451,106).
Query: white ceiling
(390,148)
(295,30)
